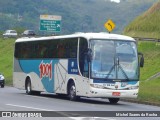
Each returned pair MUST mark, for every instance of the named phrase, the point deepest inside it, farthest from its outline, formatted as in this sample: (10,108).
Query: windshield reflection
(114,59)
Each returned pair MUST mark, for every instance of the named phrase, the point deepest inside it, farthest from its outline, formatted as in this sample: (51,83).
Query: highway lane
(12,99)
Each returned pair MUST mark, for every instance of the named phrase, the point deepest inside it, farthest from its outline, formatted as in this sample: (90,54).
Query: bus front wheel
(72,92)
(113,100)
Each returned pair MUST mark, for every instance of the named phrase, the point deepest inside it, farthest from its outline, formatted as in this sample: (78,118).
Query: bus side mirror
(89,55)
(141,59)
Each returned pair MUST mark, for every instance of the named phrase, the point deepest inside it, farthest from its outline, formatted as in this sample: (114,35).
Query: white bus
(97,65)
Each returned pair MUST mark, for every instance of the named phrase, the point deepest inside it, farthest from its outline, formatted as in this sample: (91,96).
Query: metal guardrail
(146,39)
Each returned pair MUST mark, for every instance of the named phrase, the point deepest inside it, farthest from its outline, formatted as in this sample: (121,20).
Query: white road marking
(29,107)
(61,113)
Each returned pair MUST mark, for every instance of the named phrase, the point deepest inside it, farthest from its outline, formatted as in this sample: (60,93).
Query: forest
(77,15)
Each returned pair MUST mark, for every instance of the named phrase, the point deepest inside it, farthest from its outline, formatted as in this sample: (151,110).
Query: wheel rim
(28,87)
(72,91)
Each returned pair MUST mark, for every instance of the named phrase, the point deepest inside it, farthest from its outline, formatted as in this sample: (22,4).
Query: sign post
(109,25)
(50,23)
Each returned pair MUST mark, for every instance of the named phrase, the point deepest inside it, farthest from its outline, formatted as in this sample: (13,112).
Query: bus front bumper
(108,93)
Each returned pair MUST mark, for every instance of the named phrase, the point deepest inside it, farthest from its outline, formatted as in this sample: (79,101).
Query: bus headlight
(97,86)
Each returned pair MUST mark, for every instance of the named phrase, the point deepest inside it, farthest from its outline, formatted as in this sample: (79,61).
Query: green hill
(77,15)
(147,24)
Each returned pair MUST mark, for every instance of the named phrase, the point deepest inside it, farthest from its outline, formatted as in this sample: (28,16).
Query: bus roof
(84,35)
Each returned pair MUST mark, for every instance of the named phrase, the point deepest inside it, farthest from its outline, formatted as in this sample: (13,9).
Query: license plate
(116,93)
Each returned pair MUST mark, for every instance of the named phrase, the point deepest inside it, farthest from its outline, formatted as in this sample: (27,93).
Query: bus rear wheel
(28,87)
(72,92)
(113,100)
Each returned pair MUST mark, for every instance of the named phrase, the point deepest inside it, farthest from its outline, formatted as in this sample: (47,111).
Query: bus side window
(60,50)
(43,52)
(53,51)
(26,50)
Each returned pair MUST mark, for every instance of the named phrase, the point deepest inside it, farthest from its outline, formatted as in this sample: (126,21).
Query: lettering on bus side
(45,70)
(72,66)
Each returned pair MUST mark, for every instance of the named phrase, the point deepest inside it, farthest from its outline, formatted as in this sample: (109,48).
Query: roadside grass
(151,52)
(150,91)
(6,58)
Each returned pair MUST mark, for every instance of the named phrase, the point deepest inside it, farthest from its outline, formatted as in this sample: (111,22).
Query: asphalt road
(17,103)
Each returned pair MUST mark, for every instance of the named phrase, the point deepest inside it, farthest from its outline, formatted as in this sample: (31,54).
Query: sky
(117,1)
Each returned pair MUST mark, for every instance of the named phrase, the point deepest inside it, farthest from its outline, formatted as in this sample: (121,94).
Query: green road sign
(50,25)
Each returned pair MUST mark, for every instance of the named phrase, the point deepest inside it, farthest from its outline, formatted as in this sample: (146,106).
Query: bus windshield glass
(114,59)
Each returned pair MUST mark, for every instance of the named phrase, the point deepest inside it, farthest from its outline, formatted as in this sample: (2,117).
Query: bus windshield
(114,59)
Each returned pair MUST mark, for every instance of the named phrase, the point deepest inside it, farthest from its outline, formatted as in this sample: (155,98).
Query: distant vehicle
(2,80)
(28,33)
(10,33)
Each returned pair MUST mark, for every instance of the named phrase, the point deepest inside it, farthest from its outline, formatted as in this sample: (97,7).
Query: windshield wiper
(112,68)
(124,73)
(119,66)
(116,64)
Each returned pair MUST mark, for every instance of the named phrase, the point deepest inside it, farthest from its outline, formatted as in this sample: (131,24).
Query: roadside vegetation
(6,58)
(147,25)
(77,15)
(149,88)
(149,91)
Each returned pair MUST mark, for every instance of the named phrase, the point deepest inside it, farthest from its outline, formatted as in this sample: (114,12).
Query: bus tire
(113,100)
(28,87)
(72,92)
(2,86)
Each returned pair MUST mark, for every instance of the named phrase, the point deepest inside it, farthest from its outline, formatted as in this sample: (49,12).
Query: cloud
(117,1)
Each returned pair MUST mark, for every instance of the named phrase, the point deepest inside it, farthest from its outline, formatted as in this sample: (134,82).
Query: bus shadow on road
(98,101)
